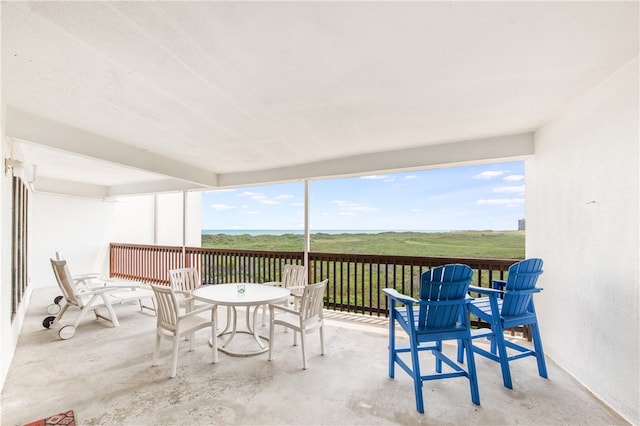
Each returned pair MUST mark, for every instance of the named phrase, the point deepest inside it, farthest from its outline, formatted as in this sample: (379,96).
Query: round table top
(254,294)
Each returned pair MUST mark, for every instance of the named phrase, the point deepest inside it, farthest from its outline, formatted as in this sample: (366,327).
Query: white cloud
(514,178)
(351,208)
(249,194)
(411,177)
(266,200)
(375,177)
(507,202)
(263,199)
(222,190)
(362,208)
(297,204)
(222,207)
(510,189)
(488,174)
(284,197)
(416,210)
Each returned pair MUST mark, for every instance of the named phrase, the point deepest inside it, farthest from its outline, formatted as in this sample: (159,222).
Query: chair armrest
(278,283)
(88,291)
(486,291)
(297,290)
(499,284)
(272,307)
(207,308)
(393,294)
(85,276)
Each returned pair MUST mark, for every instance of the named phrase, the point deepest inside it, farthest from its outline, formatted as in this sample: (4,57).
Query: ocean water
(300,231)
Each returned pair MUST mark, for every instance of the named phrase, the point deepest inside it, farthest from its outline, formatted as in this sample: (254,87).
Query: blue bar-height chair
(509,304)
(440,314)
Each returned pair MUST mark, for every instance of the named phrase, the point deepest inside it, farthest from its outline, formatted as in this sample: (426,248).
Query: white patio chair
(172,324)
(183,282)
(306,318)
(294,278)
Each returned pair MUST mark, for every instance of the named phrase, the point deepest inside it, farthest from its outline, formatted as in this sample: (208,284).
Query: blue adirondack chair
(509,304)
(440,314)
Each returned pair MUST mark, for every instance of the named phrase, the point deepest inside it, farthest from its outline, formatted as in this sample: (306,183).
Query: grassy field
(482,244)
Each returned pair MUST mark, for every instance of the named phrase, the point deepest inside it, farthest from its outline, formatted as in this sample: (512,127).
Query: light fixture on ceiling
(10,164)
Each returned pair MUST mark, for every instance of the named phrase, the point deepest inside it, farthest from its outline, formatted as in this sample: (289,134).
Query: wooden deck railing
(355,281)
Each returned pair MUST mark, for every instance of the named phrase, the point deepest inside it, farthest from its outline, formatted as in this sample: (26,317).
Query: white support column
(185,210)
(307,239)
(155,219)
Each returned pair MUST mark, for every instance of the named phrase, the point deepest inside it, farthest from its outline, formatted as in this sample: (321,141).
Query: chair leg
(498,338)
(438,359)
(174,361)
(302,343)
(322,339)
(214,333)
(271,340)
(156,352)
(417,380)
(392,345)
(537,345)
(191,339)
(112,313)
(471,370)
(461,349)
(286,329)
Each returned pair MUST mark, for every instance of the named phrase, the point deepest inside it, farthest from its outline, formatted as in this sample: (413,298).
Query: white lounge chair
(92,297)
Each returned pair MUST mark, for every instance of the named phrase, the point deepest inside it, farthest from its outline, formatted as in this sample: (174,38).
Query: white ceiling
(130,97)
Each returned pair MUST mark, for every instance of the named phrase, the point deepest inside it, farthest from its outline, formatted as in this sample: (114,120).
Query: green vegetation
(464,244)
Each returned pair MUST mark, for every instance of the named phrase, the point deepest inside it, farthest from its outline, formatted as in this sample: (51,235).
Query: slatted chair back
(65,282)
(442,296)
(520,287)
(167,307)
(312,302)
(184,279)
(294,276)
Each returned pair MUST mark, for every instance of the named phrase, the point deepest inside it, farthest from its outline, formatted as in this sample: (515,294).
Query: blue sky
(489,196)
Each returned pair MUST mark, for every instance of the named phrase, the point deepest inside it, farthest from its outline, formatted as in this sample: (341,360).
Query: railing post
(307,234)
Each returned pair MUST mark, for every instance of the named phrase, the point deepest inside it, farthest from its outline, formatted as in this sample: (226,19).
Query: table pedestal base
(232,323)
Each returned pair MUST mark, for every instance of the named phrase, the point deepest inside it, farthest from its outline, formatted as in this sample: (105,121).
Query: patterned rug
(67,419)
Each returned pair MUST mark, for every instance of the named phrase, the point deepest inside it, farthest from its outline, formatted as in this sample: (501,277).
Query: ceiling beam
(495,149)
(38,130)
(72,188)
(153,187)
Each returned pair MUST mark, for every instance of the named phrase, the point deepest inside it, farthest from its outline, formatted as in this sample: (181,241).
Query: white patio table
(253,295)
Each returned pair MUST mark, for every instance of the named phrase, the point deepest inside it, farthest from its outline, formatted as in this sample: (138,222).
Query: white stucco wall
(582,218)
(170,213)
(83,228)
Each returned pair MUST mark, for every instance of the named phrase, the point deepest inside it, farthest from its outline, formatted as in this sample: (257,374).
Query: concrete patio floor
(105,375)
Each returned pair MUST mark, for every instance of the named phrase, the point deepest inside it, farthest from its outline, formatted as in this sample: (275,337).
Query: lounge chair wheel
(67,332)
(46,323)
(53,309)
(57,300)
